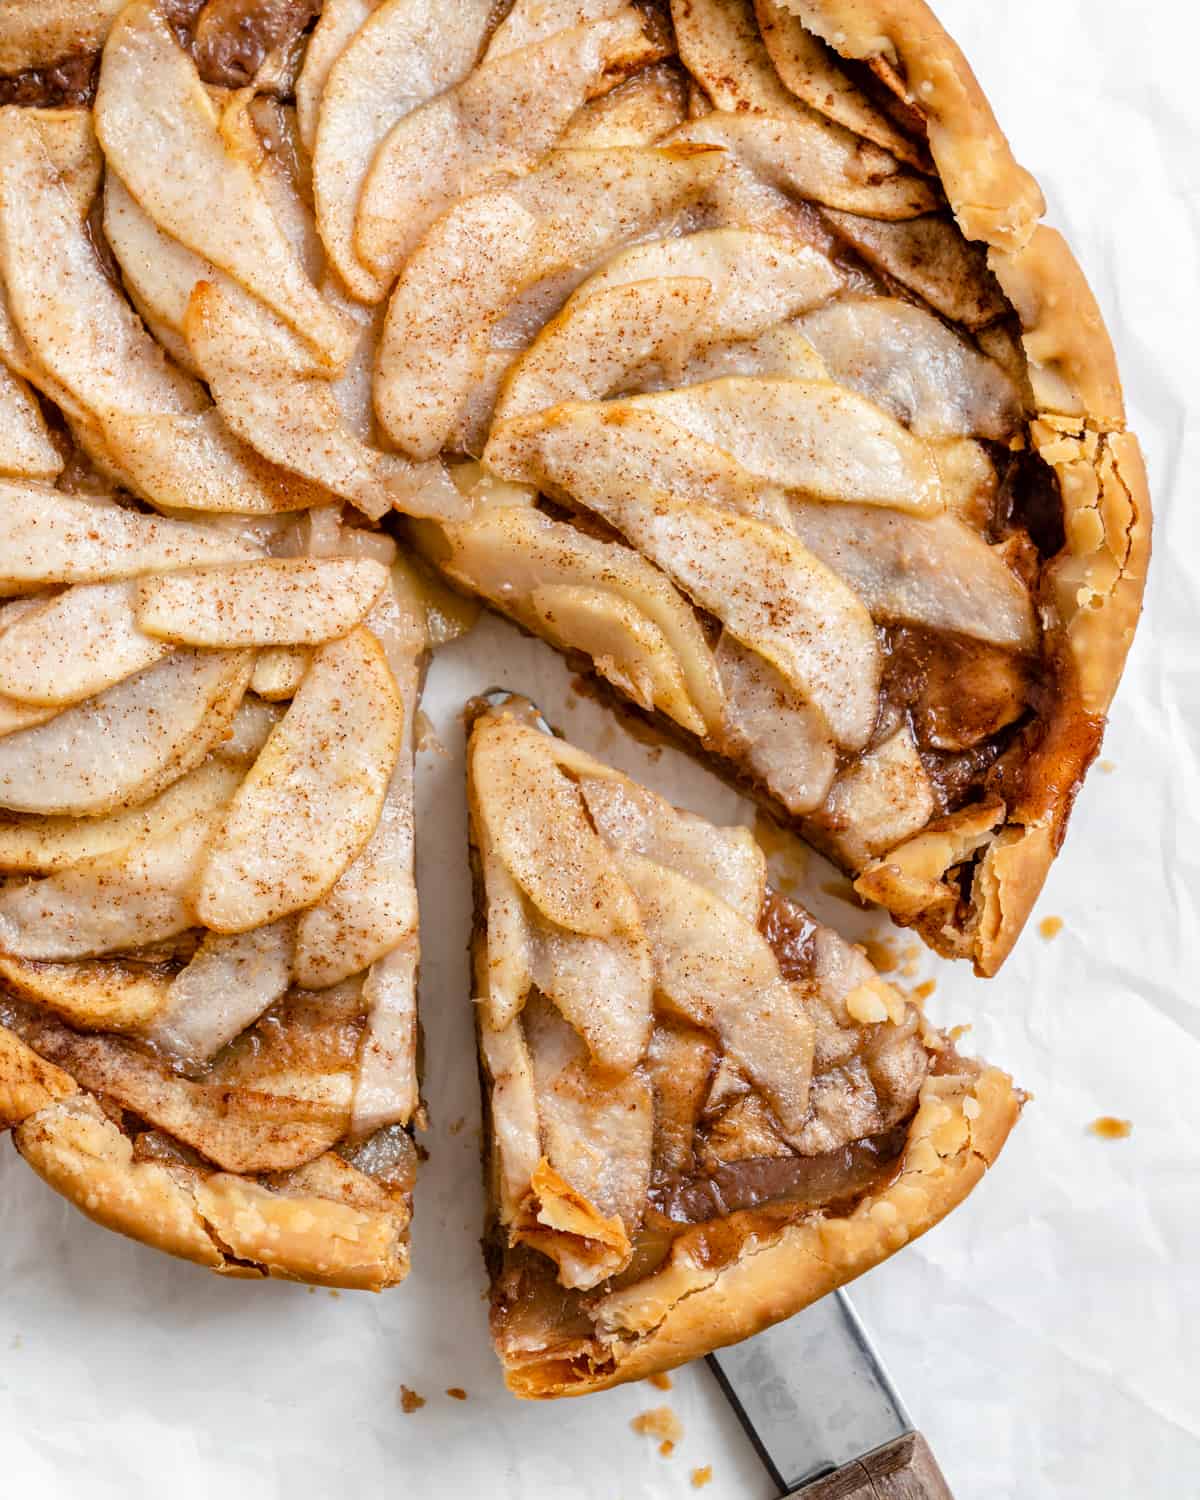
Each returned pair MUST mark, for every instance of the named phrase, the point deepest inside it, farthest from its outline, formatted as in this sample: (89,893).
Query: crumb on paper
(660,1422)
(660,1380)
(456,1393)
(1050,927)
(425,736)
(956,1033)
(312,1291)
(410,1401)
(1109,1128)
(882,953)
(1107,766)
(922,992)
(456,1126)
(701,1477)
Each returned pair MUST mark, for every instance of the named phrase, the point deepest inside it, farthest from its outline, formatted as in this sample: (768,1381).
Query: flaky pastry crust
(1092,592)
(233,1225)
(688,1309)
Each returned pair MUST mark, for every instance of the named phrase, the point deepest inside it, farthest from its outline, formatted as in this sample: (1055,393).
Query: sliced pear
(261,131)
(478,132)
(811,436)
(251,727)
(784,740)
(225,988)
(726,861)
(716,969)
(491,250)
(936,571)
(152,108)
(781,351)
(48,537)
(907,361)
(572,970)
(386,1091)
(137,896)
(39,846)
(338,22)
(809,158)
(280,602)
(774,595)
(403,54)
(931,256)
(294,419)
(638,112)
(507,554)
(373,907)
(813,72)
(127,744)
(720,45)
(26,449)
(75,646)
(92,994)
(279,671)
(572,880)
(314,795)
(723,284)
(531,21)
(884,798)
(151,417)
(40,33)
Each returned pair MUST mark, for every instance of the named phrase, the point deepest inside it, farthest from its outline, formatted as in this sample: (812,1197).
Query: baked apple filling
(682,1066)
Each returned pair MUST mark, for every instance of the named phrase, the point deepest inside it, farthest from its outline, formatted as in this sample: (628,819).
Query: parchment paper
(1046,1335)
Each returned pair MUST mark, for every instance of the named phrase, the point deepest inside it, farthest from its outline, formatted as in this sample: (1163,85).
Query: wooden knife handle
(904,1470)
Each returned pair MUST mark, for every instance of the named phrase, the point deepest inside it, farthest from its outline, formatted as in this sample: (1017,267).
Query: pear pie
(716,343)
(706,1108)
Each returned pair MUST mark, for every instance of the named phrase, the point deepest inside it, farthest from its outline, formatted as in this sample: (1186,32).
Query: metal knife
(823,1414)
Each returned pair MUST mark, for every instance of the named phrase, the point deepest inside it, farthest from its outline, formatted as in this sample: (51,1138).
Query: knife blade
(823,1413)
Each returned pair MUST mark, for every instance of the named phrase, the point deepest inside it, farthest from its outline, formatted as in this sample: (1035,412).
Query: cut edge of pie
(612,1108)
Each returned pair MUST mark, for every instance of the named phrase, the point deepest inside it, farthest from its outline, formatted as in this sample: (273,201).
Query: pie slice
(830,389)
(208,926)
(706,1109)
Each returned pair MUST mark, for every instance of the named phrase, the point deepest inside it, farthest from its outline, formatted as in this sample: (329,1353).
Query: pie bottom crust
(233,1225)
(687,1310)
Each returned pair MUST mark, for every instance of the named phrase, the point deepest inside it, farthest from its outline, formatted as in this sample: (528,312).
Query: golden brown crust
(233,1225)
(1093,590)
(688,1309)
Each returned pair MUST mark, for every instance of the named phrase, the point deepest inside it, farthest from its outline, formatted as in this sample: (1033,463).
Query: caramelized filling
(69,83)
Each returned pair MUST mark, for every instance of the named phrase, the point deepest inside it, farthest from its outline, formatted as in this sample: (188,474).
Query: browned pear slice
(638,112)
(404,53)
(373,907)
(293,418)
(716,969)
(720,45)
(151,109)
(784,739)
(813,72)
(809,158)
(313,797)
(39,846)
(506,554)
(934,571)
(103,994)
(386,1091)
(40,33)
(907,361)
(225,987)
(811,436)
(478,132)
(931,256)
(75,646)
(654,305)
(136,896)
(279,671)
(26,449)
(338,22)
(279,602)
(47,537)
(129,742)
(772,593)
(557,222)
(555,856)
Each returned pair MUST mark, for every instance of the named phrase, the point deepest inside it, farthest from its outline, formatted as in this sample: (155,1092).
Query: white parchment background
(1046,1335)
